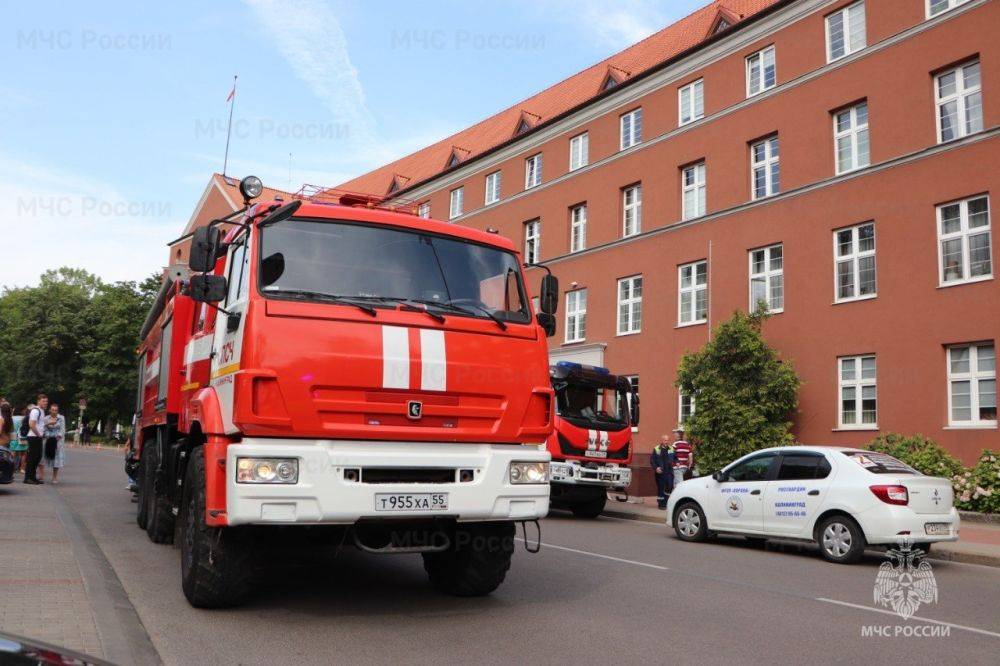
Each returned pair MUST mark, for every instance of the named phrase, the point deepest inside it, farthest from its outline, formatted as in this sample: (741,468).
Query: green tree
(744,394)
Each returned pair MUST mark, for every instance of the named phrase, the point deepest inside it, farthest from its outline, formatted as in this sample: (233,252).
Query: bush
(743,393)
(922,454)
(976,488)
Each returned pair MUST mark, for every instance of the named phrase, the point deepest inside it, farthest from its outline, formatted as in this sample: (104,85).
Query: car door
(737,497)
(792,500)
(227,345)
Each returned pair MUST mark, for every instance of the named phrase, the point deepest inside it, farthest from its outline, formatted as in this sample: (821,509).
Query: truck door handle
(813,492)
(755,492)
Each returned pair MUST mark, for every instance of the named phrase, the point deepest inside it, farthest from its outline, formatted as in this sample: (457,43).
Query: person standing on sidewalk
(661,460)
(7,435)
(683,455)
(55,437)
(36,433)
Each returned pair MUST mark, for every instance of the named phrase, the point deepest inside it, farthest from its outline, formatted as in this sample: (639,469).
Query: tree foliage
(744,393)
(73,336)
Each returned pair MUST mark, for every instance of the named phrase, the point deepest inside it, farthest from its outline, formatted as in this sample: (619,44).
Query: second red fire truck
(591,445)
(362,373)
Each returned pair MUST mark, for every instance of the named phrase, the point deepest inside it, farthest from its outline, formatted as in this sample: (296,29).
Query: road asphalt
(606,590)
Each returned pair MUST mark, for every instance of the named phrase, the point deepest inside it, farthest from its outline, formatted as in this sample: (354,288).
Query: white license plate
(937,529)
(411,501)
(596,454)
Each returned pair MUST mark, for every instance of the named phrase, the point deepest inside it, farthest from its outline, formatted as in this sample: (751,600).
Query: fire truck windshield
(593,404)
(387,265)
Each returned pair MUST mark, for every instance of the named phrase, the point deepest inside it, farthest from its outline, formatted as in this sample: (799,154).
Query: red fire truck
(591,445)
(332,365)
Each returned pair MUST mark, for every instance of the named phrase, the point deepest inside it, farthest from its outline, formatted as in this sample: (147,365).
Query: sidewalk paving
(979,541)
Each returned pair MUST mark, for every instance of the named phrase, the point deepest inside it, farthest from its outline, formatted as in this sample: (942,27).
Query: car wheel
(690,523)
(841,540)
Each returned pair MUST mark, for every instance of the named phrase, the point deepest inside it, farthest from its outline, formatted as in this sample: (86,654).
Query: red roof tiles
(559,98)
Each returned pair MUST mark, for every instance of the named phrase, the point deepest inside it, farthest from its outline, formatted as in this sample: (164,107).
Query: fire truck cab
(591,444)
(357,371)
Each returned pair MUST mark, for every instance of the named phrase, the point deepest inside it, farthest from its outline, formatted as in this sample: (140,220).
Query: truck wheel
(142,512)
(216,562)
(591,508)
(477,561)
(159,514)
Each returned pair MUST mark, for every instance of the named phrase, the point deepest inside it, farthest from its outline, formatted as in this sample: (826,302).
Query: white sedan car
(843,499)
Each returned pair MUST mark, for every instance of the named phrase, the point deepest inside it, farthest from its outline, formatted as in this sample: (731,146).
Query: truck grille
(407,475)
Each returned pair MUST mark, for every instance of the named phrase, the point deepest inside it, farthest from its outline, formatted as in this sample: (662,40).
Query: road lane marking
(912,617)
(659,567)
(604,557)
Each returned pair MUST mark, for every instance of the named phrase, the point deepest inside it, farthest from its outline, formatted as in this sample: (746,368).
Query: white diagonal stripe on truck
(395,357)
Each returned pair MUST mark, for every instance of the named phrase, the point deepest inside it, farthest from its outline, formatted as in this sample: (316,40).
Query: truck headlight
(528,472)
(267,470)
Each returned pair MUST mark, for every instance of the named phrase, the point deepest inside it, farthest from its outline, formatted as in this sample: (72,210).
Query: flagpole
(229,129)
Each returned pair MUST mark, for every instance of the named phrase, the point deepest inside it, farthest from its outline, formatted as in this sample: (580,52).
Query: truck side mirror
(548,298)
(207,288)
(205,245)
(547,322)
(635,409)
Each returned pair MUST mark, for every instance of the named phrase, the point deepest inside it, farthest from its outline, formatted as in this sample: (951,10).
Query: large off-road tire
(591,507)
(216,562)
(477,561)
(159,513)
(142,511)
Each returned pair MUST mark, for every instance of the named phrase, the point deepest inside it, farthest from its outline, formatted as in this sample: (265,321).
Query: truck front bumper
(326,494)
(606,475)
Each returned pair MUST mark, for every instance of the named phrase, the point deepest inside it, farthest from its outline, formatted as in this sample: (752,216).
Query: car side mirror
(548,298)
(205,246)
(718,476)
(547,322)
(207,288)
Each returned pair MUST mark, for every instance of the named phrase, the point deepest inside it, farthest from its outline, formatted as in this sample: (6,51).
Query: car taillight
(891,494)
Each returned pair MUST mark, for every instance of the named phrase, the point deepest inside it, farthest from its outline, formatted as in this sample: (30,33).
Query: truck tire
(592,507)
(159,513)
(477,561)
(142,511)
(216,562)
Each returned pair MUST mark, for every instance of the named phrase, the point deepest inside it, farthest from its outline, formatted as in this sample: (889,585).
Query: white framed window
(456,203)
(685,407)
(858,396)
(845,31)
(579,151)
(854,262)
(959,96)
(765,168)
(693,191)
(935,7)
(692,296)
(972,385)
(850,138)
(964,241)
(533,171)
(631,124)
(424,210)
(767,278)
(630,305)
(493,188)
(761,71)
(691,102)
(631,210)
(576,315)
(532,241)
(578,228)
(633,382)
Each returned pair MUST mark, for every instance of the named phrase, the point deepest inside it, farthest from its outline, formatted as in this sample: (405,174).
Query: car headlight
(528,472)
(267,470)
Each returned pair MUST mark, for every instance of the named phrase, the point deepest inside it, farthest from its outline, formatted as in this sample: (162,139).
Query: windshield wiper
(322,296)
(409,303)
(464,310)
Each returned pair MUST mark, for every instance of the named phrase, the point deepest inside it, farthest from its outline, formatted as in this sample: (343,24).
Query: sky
(113,115)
